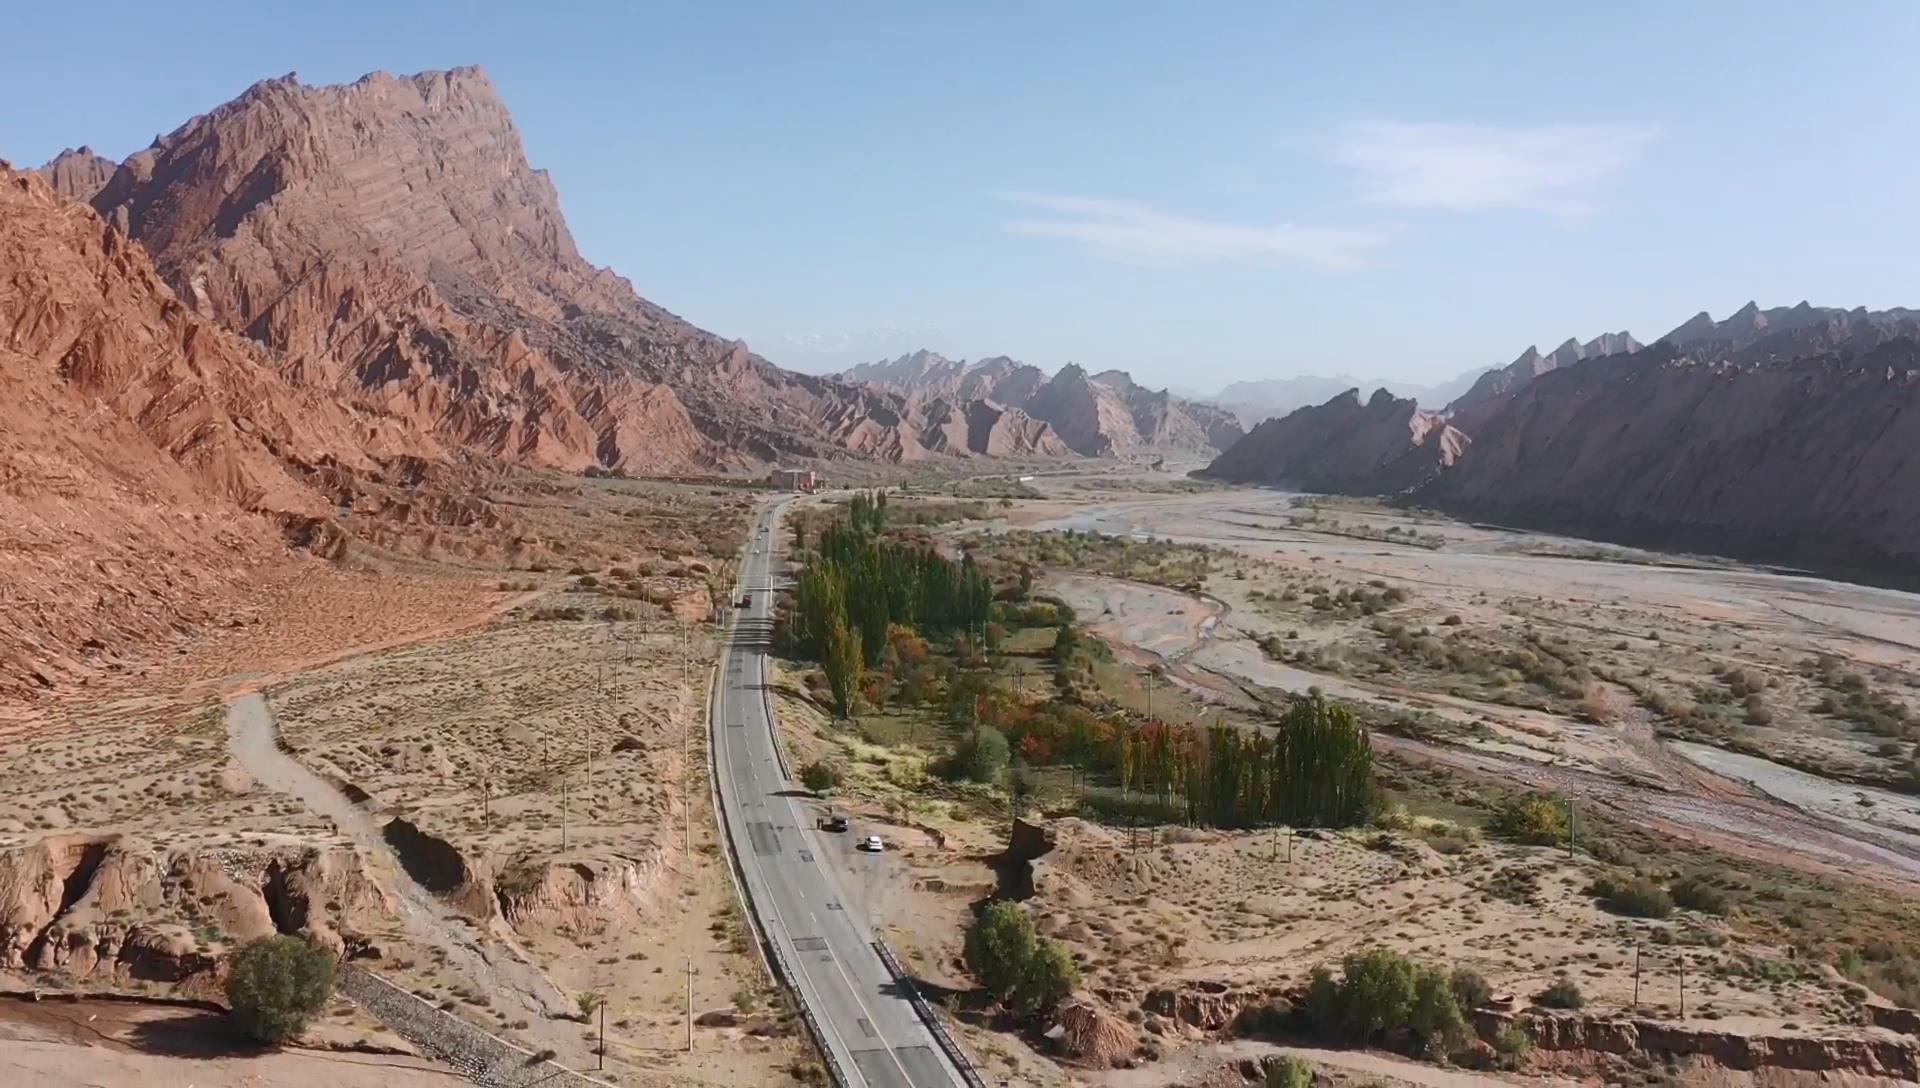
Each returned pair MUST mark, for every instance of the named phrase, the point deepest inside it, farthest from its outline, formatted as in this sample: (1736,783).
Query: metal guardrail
(932,1019)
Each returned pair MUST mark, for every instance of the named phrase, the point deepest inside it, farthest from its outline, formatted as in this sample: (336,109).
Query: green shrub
(981,755)
(275,985)
(1470,990)
(820,776)
(1637,897)
(1564,993)
(1289,1072)
(1047,978)
(1536,819)
(1030,973)
(1512,1045)
(998,946)
(1694,893)
(1381,994)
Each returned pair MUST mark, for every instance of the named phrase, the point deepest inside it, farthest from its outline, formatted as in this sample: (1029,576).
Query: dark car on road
(833,822)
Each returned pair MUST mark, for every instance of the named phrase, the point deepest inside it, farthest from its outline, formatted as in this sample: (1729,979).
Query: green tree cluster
(1384,997)
(860,586)
(1028,973)
(1315,770)
(275,985)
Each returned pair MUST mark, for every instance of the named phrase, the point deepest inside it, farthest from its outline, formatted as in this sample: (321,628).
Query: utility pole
(1570,818)
(1683,986)
(1636,975)
(603,1033)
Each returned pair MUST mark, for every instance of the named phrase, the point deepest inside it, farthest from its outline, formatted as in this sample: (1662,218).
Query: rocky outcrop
(109,908)
(78,174)
(584,896)
(1382,447)
(1202,1005)
(1864,1056)
(1804,460)
(1094,415)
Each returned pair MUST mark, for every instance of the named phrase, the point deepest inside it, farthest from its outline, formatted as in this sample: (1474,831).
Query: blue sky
(1198,193)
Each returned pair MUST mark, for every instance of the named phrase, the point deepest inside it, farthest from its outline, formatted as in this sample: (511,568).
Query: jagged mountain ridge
(390,241)
(1386,443)
(1808,459)
(1094,415)
(1495,387)
(1267,398)
(1782,434)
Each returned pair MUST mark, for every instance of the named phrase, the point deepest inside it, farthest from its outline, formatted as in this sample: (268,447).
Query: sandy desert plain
(394,755)
(391,754)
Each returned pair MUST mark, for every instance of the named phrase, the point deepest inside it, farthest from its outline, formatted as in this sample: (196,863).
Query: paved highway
(868,1024)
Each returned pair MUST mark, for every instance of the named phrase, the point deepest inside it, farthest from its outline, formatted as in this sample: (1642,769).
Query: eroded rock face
(140,445)
(583,896)
(1805,460)
(1386,445)
(78,174)
(1865,1056)
(391,240)
(101,907)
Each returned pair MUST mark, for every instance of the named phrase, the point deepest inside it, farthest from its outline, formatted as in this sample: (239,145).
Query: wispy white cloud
(1557,169)
(1131,231)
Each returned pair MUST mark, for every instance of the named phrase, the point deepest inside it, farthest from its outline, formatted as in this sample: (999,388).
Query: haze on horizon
(1252,193)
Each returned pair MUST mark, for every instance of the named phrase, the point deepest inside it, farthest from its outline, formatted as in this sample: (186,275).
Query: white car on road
(872,844)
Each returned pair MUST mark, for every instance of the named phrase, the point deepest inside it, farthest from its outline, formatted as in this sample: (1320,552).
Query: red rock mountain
(78,174)
(146,455)
(1386,445)
(390,242)
(1099,415)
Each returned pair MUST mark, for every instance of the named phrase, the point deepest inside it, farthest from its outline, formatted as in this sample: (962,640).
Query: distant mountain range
(1095,415)
(1789,434)
(1264,398)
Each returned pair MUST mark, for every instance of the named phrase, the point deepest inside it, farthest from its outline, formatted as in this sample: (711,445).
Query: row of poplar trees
(860,584)
(1315,770)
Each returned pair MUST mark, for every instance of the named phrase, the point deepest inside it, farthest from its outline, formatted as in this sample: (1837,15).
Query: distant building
(794,479)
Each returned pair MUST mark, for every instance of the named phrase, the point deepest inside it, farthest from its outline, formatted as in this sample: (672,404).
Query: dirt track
(499,970)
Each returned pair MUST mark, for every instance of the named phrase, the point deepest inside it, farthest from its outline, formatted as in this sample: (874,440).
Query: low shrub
(1536,819)
(1636,897)
(1564,993)
(1694,893)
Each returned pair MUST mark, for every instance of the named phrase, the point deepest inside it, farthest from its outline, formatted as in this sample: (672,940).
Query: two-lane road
(866,1021)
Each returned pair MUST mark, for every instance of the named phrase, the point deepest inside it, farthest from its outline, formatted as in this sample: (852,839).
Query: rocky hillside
(389,241)
(1807,460)
(1386,445)
(1098,415)
(1783,435)
(148,455)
